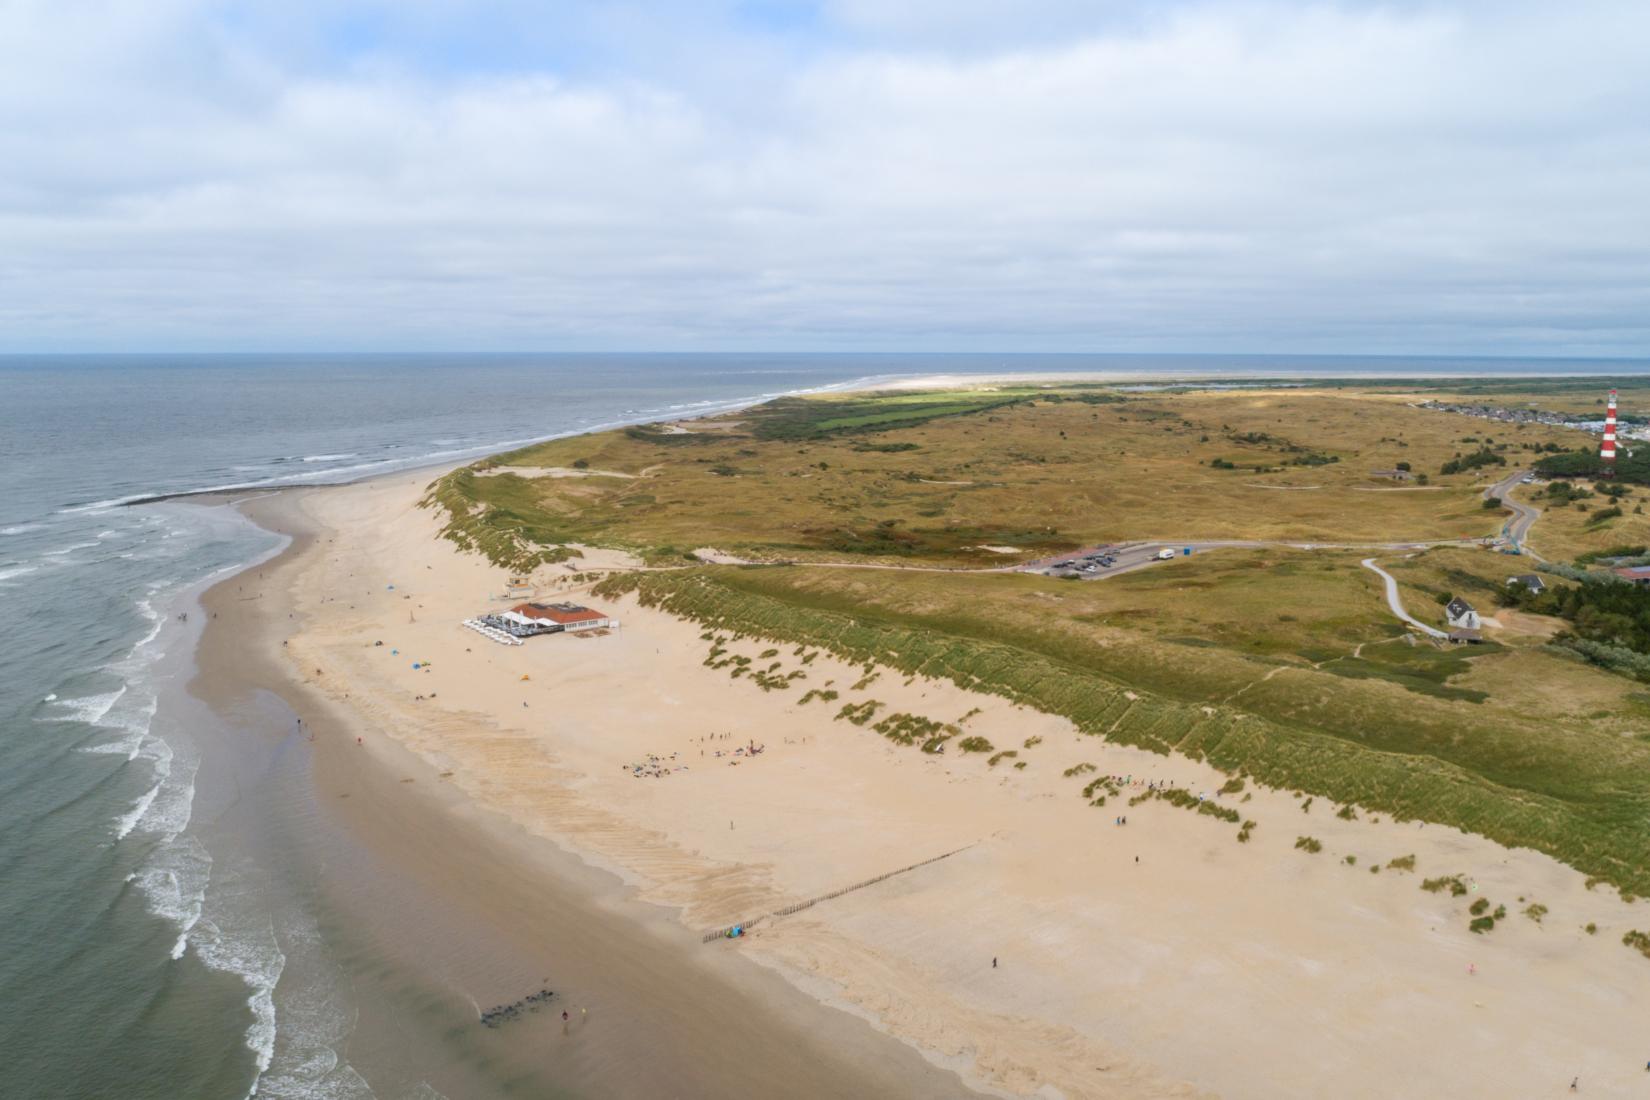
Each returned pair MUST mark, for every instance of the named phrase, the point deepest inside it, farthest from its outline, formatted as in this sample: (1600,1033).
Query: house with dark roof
(1530,581)
(1460,614)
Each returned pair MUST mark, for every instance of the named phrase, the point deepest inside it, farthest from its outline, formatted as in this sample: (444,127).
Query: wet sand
(439,909)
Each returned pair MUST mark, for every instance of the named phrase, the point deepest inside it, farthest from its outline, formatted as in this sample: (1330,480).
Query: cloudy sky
(1412,176)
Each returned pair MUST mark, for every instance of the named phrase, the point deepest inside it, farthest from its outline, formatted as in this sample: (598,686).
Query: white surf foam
(66,550)
(173,881)
(329,458)
(101,505)
(85,708)
(21,528)
(127,821)
(313,1022)
(232,936)
(166,807)
(132,726)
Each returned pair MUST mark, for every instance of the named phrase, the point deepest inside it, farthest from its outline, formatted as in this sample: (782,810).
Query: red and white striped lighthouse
(1607,450)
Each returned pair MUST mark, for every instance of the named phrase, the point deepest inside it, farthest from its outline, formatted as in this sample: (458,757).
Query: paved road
(1516,529)
(1138,555)
(1524,516)
(1397,606)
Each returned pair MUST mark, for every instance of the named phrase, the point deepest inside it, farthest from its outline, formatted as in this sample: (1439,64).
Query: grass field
(1279,664)
(933,478)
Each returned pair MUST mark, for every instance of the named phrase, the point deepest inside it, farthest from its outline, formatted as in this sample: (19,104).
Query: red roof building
(568,616)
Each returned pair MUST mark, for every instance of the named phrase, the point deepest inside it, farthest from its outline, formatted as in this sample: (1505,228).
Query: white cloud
(1285,176)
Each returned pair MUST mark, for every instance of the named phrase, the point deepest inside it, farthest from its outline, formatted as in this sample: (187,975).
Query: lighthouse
(1607,449)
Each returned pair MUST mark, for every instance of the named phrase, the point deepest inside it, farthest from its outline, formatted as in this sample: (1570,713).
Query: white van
(1165,554)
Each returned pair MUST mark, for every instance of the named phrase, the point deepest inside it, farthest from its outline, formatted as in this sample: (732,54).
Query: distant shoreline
(1168,379)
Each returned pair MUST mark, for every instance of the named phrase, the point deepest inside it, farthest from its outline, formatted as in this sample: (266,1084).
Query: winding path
(1397,606)
(1517,529)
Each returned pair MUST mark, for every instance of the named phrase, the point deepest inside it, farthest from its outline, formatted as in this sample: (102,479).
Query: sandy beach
(449,908)
(1056,953)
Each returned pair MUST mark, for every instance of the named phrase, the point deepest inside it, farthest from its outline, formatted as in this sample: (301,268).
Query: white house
(1460,614)
(1529,580)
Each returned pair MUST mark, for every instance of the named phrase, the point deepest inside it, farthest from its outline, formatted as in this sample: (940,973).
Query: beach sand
(1056,953)
(439,908)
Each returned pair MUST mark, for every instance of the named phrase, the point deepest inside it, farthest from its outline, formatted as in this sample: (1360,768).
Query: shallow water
(173,920)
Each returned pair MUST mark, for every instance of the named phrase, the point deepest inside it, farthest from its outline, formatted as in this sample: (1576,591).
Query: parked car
(1165,554)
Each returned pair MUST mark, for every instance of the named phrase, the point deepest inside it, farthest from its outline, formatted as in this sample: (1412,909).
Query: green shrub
(1603,515)
(1402,863)
(908,729)
(859,713)
(1409,767)
(1309,844)
(974,744)
(1452,883)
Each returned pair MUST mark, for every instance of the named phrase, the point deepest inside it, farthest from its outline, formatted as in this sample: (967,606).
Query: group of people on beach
(655,767)
(658,767)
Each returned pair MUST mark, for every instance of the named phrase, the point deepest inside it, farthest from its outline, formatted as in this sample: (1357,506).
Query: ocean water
(147,950)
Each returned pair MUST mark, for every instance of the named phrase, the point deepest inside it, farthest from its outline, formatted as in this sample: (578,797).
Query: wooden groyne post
(722,933)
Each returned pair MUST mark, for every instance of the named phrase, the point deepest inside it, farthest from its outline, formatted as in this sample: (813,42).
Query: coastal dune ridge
(1059,951)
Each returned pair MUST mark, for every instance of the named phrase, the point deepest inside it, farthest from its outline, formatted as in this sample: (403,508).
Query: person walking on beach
(993,962)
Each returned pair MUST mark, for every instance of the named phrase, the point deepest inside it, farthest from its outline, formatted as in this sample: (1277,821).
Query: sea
(158,938)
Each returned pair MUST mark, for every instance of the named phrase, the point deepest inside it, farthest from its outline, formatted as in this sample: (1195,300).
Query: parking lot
(1094,563)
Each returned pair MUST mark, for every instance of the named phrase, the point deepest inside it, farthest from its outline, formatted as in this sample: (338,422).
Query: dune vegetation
(878,527)
(944,478)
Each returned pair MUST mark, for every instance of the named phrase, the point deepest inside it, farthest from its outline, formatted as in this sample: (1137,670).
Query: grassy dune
(932,478)
(1280,664)
(1386,731)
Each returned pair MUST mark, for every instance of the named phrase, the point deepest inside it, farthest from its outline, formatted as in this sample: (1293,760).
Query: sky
(1279,176)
